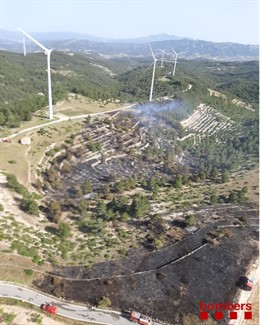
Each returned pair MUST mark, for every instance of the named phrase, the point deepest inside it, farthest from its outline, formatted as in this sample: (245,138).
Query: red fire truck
(140,319)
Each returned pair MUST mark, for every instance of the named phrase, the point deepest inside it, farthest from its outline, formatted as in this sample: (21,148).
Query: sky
(217,21)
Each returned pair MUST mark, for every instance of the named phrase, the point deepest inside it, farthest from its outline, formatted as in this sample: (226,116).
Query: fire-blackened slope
(167,286)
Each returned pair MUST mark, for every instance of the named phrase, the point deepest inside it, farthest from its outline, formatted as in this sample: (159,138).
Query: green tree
(232,198)
(214,173)
(83,205)
(225,176)
(140,205)
(64,230)
(30,206)
(213,198)
(101,208)
(244,189)
(86,187)
(55,207)
(178,181)
(241,195)
(119,187)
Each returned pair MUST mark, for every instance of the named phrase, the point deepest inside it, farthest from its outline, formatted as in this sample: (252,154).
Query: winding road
(73,311)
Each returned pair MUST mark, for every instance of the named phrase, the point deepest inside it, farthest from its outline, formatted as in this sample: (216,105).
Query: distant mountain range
(61,36)
(185,47)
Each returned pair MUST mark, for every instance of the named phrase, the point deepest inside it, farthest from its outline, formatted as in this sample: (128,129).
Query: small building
(26,141)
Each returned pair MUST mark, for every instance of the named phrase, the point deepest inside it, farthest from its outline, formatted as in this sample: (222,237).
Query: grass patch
(28,307)
(82,105)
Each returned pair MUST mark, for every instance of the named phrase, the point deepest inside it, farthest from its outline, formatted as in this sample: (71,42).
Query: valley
(127,204)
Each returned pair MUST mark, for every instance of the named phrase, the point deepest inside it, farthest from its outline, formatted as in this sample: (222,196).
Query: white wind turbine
(163,52)
(154,66)
(24,47)
(48,53)
(175,61)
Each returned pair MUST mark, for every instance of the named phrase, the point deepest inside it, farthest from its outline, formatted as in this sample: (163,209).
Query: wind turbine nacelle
(47,52)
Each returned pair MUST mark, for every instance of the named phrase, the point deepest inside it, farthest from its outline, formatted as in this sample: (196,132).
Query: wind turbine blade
(151,91)
(174,51)
(152,51)
(148,67)
(34,40)
(169,61)
(48,53)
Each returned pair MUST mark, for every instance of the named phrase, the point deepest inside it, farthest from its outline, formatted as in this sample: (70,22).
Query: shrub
(244,219)
(30,206)
(64,230)
(16,186)
(37,318)
(8,317)
(158,243)
(28,272)
(121,252)
(227,232)
(36,259)
(12,161)
(104,302)
(140,205)
(191,220)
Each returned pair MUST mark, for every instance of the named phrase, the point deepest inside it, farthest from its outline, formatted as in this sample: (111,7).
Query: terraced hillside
(206,121)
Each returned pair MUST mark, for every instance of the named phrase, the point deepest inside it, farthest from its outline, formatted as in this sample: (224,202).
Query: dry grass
(77,105)
(14,151)
(12,269)
(249,179)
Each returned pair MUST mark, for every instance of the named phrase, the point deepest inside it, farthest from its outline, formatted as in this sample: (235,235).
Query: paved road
(64,309)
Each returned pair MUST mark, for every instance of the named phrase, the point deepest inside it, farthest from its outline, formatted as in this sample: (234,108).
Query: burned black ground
(171,282)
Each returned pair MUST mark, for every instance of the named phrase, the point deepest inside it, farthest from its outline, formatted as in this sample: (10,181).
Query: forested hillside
(234,79)
(23,82)
(229,88)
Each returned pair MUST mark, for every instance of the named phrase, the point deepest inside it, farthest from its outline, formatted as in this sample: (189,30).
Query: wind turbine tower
(154,66)
(48,53)
(175,61)
(24,46)
(163,52)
